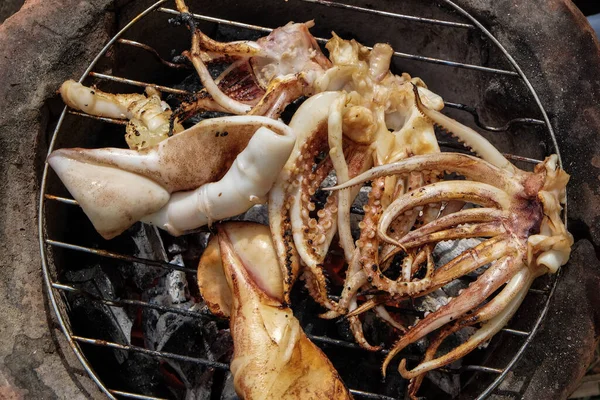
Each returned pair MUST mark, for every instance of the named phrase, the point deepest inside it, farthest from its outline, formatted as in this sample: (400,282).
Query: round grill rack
(56,290)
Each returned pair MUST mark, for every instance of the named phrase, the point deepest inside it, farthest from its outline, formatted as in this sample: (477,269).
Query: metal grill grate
(57,289)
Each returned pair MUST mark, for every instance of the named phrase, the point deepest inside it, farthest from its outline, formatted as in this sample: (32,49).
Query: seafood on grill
(149,118)
(370,119)
(517,212)
(264,75)
(217,169)
(272,357)
(359,123)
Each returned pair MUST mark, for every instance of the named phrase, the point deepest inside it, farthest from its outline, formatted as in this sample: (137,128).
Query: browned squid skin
(273,358)
(264,76)
(238,83)
(526,238)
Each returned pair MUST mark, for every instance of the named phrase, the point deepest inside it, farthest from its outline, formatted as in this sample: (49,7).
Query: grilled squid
(517,213)
(239,277)
(217,169)
(149,118)
(361,123)
(367,117)
(264,76)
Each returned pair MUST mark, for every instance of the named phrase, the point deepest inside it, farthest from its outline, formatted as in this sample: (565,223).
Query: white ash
(330,180)
(446,251)
(175,248)
(177,287)
(431,302)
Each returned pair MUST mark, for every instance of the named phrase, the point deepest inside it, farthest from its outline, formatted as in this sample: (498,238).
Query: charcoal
(181,334)
(258,213)
(449,383)
(228,391)
(117,323)
(148,245)
(225,33)
(201,389)
(141,374)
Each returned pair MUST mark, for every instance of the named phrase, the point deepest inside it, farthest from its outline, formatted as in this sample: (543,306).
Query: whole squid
(239,277)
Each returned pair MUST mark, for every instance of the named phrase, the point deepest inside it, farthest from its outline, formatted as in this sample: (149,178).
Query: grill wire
(56,290)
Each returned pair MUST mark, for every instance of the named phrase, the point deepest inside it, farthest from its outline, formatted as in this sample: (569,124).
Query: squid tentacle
(471,259)
(356,328)
(357,278)
(281,226)
(368,243)
(236,81)
(376,301)
(348,302)
(360,281)
(494,315)
(474,192)
(226,102)
(335,138)
(368,305)
(383,313)
(244,48)
(471,215)
(472,168)
(313,237)
(278,95)
(430,226)
(466,135)
(403,223)
(499,273)
(309,139)
(476,230)
(280,196)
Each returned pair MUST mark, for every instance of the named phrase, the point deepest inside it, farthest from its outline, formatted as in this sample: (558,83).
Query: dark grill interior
(132,305)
